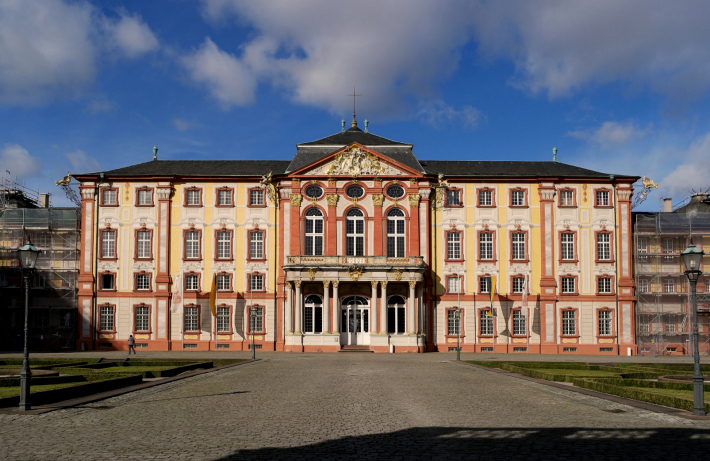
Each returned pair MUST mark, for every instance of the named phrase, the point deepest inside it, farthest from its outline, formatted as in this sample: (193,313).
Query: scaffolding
(664,316)
(53,289)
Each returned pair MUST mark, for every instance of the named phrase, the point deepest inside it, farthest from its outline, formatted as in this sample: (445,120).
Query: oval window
(395,191)
(354,191)
(313,191)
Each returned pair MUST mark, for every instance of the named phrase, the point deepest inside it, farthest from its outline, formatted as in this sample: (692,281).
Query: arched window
(313,315)
(355,315)
(395,315)
(395,233)
(355,233)
(314,232)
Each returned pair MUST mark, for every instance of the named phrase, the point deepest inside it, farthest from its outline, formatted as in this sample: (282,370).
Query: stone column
(411,327)
(298,327)
(548,284)
(162,279)
(383,308)
(336,307)
(373,307)
(326,306)
(289,308)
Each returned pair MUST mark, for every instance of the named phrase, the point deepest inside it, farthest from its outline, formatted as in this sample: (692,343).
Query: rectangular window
(518,284)
(486,246)
(642,249)
(569,325)
(644,323)
(256,245)
(567,244)
(669,286)
(567,198)
(191,282)
(602,198)
(193,197)
(519,324)
(144,197)
(256,197)
(453,198)
(567,284)
(518,245)
(142,318)
(485,284)
(108,196)
(192,321)
(142,282)
(453,323)
(222,320)
(223,282)
(605,323)
(192,245)
(643,286)
(453,245)
(486,323)
(224,245)
(143,244)
(106,281)
(668,249)
(485,198)
(313,319)
(604,285)
(669,323)
(256,282)
(106,320)
(454,284)
(108,244)
(224,197)
(256,322)
(517,198)
(603,246)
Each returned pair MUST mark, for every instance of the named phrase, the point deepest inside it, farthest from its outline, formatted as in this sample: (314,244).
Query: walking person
(131,345)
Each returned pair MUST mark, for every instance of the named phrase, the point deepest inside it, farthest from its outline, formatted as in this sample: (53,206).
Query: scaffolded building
(664,315)
(53,288)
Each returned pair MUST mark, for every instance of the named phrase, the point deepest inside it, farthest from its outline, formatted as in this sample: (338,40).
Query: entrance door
(354,321)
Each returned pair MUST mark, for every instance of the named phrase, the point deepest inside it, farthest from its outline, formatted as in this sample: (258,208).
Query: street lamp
(253,311)
(692,257)
(28,260)
(457,318)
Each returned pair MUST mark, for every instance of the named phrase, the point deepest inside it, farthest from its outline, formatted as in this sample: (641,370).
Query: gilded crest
(398,274)
(355,272)
(312,273)
(332,199)
(353,161)
(377,199)
(414,200)
(295,200)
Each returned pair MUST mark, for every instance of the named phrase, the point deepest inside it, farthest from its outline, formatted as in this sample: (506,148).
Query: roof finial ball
(554,154)
(342,125)
(155,153)
(366,123)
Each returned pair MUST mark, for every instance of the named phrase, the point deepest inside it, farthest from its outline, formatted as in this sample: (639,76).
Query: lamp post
(28,260)
(252,315)
(692,257)
(457,318)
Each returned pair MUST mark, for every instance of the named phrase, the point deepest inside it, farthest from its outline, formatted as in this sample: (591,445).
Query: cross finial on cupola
(354,122)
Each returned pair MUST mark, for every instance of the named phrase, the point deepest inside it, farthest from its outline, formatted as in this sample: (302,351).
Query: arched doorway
(355,321)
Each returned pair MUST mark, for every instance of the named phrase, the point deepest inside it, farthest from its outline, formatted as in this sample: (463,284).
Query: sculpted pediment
(356,161)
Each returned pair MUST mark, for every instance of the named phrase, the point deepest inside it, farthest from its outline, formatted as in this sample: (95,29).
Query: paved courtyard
(353,406)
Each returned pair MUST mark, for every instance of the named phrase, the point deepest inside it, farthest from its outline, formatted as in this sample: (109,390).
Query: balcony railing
(346,261)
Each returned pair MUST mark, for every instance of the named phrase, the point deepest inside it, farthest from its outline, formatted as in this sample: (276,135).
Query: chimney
(44,200)
(667,206)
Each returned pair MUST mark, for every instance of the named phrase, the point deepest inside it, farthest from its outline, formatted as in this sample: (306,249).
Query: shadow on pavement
(453,443)
(195,396)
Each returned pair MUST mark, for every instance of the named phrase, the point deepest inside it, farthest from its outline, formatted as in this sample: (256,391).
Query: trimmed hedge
(40,380)
(650,384)
(68,393)
(635,394)
(46,362)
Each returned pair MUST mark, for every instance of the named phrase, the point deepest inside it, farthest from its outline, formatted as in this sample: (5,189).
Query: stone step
(356,349)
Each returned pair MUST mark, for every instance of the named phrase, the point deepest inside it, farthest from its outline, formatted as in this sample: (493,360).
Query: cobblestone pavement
(353,406)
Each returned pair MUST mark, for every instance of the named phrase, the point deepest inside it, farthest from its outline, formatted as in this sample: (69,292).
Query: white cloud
(100,104)
(318,50)
(50,49)
(183,125)
(226,77)
(610,133)
(17,160)
(437,113)
(559,47)
(80,162)
(693,173)
(130,35)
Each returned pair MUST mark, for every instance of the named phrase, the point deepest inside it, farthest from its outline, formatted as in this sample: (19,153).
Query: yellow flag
(213,296)
(493,291)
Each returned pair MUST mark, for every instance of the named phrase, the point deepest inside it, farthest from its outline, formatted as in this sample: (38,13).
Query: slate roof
(200,168)
(310,152)
(699,203)
(506,168)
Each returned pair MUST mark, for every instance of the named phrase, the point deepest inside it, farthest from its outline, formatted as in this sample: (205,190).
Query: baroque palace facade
(355,243)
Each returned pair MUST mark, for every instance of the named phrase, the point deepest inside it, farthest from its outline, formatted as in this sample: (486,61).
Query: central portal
(355,321)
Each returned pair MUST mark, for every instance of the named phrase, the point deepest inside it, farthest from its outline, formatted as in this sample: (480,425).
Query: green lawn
(590,373)
(15,390)
(670,392)
(132,369)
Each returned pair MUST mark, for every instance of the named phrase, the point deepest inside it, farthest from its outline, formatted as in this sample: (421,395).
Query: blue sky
(616,86)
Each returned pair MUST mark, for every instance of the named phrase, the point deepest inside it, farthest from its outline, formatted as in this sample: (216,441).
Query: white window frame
(108,244)
(453,326)
(191,319)
(223,320)
(453,284)
(111,193)
(453,245)
(485,198)
(604,247)
(602,198)
(256,245)
(142,318)
(313,314)
(143,243)
(224,197)
(142,282)
(192,245)
(256,197)
(453,197)
(145,197)
(223,282)
(568,284)
(485,246)
(192,282)
(224,245)
(567,246)
(517,198)
(256,282)
(256,323)
(313,230)
(669,286)
(566,198)
(605,325)
(519,323)
(106,318)
(192,197)
(518,246)
(518,284)
(643,286)
(569,322)
(396,233)
(486,323)
(604,285)
(354,240)
(484,285)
